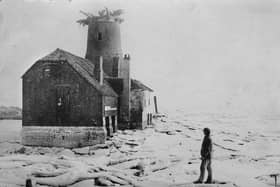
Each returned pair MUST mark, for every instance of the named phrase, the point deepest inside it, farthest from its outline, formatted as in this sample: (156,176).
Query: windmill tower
(104,40)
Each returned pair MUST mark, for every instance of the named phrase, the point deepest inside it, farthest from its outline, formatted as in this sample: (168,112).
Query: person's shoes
(197,182)
(208,182)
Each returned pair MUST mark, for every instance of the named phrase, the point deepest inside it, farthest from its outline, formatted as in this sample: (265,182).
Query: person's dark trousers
(205,164)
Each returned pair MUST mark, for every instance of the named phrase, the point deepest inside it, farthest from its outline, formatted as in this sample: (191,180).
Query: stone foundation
(68,137)
(124,125)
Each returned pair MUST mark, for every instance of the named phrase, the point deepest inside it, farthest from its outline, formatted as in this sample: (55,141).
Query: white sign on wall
(109,108)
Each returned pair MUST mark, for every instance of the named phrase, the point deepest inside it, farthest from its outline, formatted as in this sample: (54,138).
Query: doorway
(62,104)
(114,123)
(107,125)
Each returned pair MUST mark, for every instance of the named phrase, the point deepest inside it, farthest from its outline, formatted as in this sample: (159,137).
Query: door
(107,125)
(114,123)
(62,105)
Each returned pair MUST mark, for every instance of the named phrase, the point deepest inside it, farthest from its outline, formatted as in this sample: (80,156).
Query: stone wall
(68,137)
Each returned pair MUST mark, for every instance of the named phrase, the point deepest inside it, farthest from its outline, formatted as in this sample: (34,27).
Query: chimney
(125,95)
(101,70)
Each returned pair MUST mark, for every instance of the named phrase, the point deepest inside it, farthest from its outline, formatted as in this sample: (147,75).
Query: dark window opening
(115,67)
(46,72)
(99,36)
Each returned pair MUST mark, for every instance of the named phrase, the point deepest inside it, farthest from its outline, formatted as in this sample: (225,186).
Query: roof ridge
(97,84)
(83,59)
(73,55)
(139,85)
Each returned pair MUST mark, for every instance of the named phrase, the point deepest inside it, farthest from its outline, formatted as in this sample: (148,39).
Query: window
(46,72)
(115,67)
(99,36)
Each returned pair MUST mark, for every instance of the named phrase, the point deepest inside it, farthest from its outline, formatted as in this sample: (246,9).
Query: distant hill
(10,112)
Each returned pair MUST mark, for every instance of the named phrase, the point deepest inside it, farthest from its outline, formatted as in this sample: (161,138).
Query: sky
(199,55)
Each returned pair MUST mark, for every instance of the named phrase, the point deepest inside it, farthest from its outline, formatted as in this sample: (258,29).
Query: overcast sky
(201,55)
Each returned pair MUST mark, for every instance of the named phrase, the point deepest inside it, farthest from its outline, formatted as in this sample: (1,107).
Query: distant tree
(10,112)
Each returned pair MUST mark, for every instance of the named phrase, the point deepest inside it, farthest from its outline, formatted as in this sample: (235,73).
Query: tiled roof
(137,85)
(83,66)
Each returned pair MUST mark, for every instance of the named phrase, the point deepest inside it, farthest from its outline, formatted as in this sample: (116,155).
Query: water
(10,130)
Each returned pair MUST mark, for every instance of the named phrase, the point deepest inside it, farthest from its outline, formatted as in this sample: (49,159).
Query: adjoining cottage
(141,105)
(70,101)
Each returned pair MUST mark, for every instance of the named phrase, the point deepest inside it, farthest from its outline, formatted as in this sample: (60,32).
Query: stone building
(70,101)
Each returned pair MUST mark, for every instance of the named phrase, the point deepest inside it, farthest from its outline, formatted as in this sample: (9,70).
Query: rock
(21,150)
(44,150)
(159,116)
(102,181)
(9,148)
(66,152)
(85,183)
(132,143)
(81,151)
(99,146)
(140,167)
(127,132)
(162,130)
(99,152)
(171,133)
(28,150)
(154,183)
(117,144)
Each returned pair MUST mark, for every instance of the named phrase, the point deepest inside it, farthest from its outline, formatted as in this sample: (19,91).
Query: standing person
(206,156)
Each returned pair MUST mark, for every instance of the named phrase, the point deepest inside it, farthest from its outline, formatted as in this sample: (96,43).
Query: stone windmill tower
(105,51)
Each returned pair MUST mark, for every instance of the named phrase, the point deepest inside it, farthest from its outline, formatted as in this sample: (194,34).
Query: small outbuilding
(141,104)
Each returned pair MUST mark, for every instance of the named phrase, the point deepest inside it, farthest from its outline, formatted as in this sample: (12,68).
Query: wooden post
(28,183)
(101,70)
(275,178)
(111,125)
(116,123)
(156,107)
